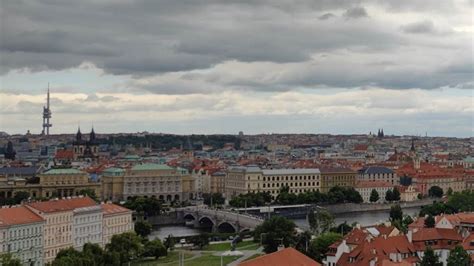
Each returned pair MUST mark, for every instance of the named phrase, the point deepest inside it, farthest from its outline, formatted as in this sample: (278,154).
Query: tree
(374,196)
(458,257)
(320,245)
(396,213)
(8,260)
(430,221)
(94,252)
(21,196)
(303,241)
(88,192)
(395,194)
(217,199)
(320,221)
(430,258)
(143,228)
(169,242)
(275,231)
(342,228)
(435,192)
(155,249)
(128,245)
(389,195)
(450,191)
(201,240)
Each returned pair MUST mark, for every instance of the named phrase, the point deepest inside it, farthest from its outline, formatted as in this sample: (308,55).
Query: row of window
(300,184)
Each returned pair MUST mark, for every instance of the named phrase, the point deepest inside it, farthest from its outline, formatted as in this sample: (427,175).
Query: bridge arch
(206,222)
(189,217)
(226,227)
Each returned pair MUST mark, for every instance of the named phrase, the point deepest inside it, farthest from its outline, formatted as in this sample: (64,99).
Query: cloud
(355,13)
(419,27)
(326,16)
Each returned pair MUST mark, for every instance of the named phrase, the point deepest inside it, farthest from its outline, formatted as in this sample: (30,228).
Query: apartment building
(365,189)
(116,220)
(243,179)
(60,226)
(21,234)
(87,225)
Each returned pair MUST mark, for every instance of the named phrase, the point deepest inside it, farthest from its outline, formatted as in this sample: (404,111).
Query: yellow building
(151,180)
(331,177)
(56,182)
(242,180)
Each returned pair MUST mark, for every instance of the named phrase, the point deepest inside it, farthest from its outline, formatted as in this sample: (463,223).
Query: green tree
(303,242)
(169,242)
(200,241)
(320,245)
(217,199)
(155,249)
(396,213)
(342,228)
(275,231)
(374,196)
(430,258)
(8,260)
(395,194)
(450,191)
(458,257)
(389,195)
(89,192)
(128,245)
(94,252)
(430,222)
(21,196)
(320,221)
(435,192)
(143,228)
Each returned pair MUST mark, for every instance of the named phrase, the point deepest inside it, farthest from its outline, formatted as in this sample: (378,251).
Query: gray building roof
(375,170)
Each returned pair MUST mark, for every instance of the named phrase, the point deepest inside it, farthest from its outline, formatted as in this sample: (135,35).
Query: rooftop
(284,257)
(151,167)
(18,215)
(59,205)
(110,208)
(63,171)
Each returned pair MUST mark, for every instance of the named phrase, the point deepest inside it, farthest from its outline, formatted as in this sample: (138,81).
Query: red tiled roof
(18,215)
(63,204)
(64,154)
(284,257)
(110,208)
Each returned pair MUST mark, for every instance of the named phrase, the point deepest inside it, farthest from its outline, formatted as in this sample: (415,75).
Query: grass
(208,260)
(173,256)
(244,245)
(254,256)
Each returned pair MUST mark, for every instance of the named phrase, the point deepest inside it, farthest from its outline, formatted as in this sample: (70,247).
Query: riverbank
(346,208)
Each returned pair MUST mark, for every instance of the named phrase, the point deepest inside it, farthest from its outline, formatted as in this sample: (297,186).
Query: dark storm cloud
(420,27)
(146,38)
(355,12)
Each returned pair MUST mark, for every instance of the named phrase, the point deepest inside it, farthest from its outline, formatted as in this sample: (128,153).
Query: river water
(364,219)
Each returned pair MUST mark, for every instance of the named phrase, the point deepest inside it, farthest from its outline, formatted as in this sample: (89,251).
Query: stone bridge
(219,220)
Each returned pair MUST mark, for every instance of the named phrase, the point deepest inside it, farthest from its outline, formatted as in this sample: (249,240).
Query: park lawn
(226,246)
(254,256)
(173,256)
(207,260)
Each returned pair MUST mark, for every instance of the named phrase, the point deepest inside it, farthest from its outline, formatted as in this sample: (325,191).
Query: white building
(21,234)
(87,226)
(365,189)
(116,220)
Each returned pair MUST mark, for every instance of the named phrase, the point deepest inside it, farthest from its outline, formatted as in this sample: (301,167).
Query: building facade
(378,173)
(365,189)
(59,216)
(242,180)
(116,220)
(87,225)
(148,179)
(21,234)
(342,177)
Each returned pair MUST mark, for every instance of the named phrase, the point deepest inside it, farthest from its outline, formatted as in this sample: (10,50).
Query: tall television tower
(46,116)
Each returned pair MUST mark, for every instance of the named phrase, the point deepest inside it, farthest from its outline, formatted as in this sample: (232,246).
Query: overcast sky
(315,66)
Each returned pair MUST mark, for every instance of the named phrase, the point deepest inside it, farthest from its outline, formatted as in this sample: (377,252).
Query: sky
(269,66)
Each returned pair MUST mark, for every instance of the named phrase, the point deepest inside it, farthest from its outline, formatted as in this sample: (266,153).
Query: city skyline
(206,67)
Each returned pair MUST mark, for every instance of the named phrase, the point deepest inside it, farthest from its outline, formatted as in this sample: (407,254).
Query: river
(364,219)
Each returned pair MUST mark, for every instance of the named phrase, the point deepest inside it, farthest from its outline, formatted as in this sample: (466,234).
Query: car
(182,241)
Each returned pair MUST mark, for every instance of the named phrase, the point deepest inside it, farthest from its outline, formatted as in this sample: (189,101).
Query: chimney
(280,247)
(410,235)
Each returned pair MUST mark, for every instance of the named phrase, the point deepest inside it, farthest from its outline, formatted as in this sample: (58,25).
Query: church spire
(412,145)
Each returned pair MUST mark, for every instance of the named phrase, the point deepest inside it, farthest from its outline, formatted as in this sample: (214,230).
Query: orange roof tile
(18,215)
(284,257)
(110,208)
(63,204)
